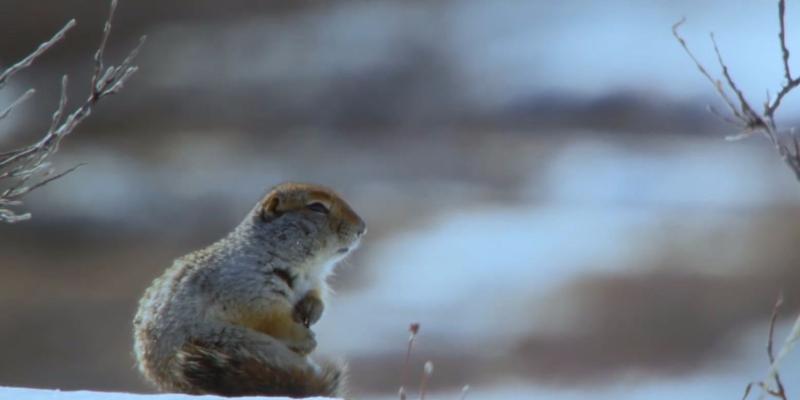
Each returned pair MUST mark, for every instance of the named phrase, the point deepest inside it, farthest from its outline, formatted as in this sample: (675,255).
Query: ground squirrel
(233,319)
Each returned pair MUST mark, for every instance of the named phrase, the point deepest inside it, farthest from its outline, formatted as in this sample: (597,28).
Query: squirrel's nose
(361,227)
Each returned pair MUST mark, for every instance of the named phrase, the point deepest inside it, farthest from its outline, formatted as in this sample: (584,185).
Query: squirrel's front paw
(308,310)
(303,341)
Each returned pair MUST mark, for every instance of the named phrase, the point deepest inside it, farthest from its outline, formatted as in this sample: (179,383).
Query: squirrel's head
(311,217)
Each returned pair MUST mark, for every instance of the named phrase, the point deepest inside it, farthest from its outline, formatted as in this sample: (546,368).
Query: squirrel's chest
(302,285)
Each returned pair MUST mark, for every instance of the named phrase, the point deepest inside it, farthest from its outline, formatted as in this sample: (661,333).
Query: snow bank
(10,393)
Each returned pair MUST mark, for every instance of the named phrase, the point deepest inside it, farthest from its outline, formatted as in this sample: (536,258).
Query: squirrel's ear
(269,209)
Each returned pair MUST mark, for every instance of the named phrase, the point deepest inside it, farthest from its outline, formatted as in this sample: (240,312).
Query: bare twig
(787,147)
(791,83)
(753,119)
(464,392)
(715,82)
(781,391)
(788,345)
(782,37)
(413,330)
(747,390)
(25,96)
(427,372)
(744,115)
(773,376)
(28,163)
(27,61)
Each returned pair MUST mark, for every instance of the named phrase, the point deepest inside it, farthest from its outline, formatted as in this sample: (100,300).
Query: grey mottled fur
(198,296)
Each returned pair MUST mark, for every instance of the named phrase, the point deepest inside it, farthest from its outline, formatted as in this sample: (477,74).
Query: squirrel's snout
(350,234)
(359,231)
(357,228)
(361,228)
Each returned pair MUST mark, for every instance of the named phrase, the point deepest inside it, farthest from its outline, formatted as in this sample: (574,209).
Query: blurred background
(544,190)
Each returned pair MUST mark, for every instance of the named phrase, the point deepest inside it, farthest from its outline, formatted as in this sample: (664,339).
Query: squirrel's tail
(205,368)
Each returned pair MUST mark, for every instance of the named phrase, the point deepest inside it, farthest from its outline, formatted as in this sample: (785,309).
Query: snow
(11,393)
(597,208)
(667,175)
(717,382)
(499,51)
(448,262)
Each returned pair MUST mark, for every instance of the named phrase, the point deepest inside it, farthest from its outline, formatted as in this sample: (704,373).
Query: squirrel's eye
(318,207)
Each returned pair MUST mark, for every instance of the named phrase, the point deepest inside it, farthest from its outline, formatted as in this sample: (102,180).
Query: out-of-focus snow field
(543,191)
(480,278)
(719,382)
(526,294)
(596,208)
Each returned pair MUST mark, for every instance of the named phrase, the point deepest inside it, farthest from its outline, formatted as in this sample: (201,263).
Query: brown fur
(205,369)
(235,318)
(279,323)
(295,196)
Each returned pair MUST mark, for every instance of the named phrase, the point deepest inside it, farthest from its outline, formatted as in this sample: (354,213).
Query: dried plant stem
(787,146)
(780,391)
(413,330)
(788,345)
(427,372)
(774,376)
(743,113)
(27,61)
(464,392)
(29,163)
(21,99)
(773,384)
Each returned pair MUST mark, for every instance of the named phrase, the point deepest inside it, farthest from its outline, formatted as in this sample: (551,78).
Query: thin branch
(782,37)
(464,392)
(754,120)
(98,55)
(747,390)
(744,115)
(413,330)
(27,61)
(45,181)
(773,375)
(62,105)
(785,89)
(787,147)
(781,391)
(788,345)
(21,99)
(790,83)
(29,163)
(726,119)
(714,82)
(427,372)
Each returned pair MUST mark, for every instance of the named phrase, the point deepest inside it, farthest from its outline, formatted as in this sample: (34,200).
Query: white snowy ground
(9,393)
